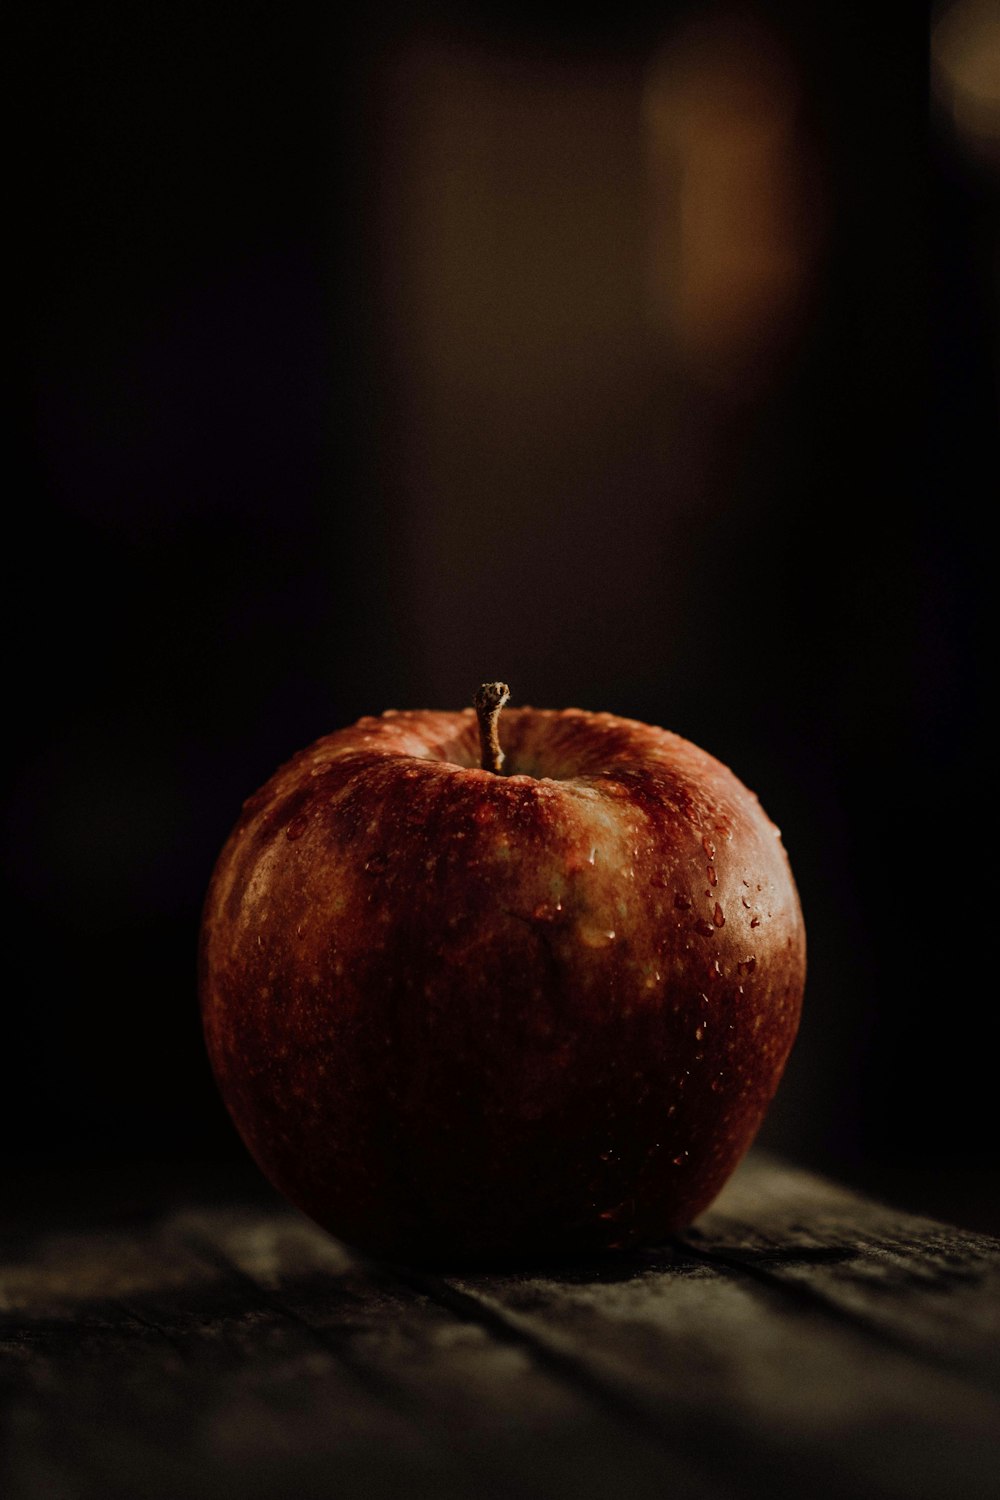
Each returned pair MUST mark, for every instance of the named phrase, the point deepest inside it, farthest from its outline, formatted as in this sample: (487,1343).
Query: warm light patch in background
(580,253)
(735,202)
(965,52)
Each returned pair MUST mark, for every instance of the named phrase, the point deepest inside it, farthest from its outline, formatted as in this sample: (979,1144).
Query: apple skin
(465,1017)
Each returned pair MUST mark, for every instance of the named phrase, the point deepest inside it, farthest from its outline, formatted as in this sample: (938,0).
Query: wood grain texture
(799,1339)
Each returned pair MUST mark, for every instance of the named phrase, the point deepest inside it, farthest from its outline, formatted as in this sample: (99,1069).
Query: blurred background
(647,361)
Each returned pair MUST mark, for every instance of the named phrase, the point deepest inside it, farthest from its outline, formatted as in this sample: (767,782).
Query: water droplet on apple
(748,965)
(713,878)
(376,864)
(699,1032)
(708,847)
(682,902)
(681,1159)
(596,937)
(719,916)
(301,930)
(705,928)
(717,1084)
(755,921)
(546,911)
(296,828)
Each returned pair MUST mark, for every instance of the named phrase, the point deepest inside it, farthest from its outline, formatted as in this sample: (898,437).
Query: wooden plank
(798,1340)
(244,1353)
(914,1284)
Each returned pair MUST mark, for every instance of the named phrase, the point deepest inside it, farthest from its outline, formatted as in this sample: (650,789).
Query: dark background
(360,366)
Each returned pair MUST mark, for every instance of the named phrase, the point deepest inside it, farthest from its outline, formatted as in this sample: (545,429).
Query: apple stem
(490,699)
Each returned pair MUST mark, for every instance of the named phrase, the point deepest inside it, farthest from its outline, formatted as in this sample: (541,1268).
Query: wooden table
(190,1341)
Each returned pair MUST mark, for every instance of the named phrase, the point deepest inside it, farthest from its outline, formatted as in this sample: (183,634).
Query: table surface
(799,1340)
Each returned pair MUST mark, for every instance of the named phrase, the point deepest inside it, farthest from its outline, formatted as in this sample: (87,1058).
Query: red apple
(458,1014)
